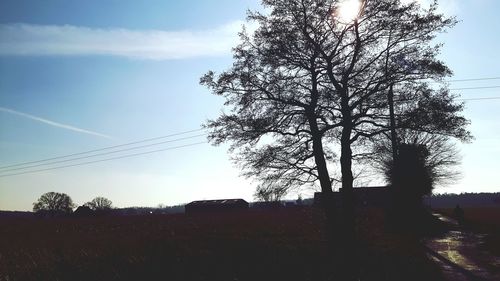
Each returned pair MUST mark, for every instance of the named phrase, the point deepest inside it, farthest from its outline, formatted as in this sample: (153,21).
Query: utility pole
(390,100)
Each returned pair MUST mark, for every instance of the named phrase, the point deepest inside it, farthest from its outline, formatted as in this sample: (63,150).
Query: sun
(348,10)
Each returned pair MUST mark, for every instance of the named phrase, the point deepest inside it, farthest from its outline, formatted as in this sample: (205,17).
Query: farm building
(376,196)
(223,205)
(83,211)
(267,205)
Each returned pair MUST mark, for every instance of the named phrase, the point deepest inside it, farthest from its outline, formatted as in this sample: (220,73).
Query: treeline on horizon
(450,200)
(446,200)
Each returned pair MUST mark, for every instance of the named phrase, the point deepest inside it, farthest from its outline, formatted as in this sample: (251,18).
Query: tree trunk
(327,202)
(319,154)
(346,157)
(348,218)
(347,241)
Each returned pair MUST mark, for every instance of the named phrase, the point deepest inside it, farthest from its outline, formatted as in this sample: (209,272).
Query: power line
(486,98)
(467,80)
(475,88)
(468,99)
(103,160)
(101,149)
(473,79)
(99,154)
(186,132)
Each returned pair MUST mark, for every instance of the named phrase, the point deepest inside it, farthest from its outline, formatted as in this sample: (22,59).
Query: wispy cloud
(52,123)
(53,40)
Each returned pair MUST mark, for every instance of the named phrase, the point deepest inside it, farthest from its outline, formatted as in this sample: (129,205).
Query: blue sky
(81,75)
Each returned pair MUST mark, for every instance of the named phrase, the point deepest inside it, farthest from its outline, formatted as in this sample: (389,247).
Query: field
(286,244)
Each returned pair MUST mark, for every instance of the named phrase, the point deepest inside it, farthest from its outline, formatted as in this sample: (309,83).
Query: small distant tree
(100,204)
(53,203)
(299,200)
(269,193)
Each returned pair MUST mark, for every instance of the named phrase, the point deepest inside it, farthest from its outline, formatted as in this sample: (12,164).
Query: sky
(83,75)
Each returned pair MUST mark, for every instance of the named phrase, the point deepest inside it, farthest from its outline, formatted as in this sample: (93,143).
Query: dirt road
(460,256)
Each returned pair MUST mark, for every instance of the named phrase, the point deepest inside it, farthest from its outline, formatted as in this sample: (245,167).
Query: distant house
(223,205)
(376,196)
(16,214)
(83,211)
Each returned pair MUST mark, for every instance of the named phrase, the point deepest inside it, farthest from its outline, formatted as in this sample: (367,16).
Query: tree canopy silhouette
(53,203)
(410,172)
(304,82)
(269,193)
(100,204)
(307,82)
(442,159)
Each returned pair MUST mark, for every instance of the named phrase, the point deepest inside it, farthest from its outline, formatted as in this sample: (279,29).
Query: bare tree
(53,203)
(269,193)
(307,80)
(100,204)
(443,155)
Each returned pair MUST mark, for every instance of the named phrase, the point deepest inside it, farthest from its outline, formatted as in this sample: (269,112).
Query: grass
(257,245)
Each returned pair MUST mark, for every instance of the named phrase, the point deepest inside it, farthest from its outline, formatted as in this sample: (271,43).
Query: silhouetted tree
(100,204)
(299,201)
(422,160)
(53,203)
(269,193)
(442,160)
(410,173)
(306,81)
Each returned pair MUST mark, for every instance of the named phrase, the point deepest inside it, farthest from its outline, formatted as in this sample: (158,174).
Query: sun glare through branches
(348,10)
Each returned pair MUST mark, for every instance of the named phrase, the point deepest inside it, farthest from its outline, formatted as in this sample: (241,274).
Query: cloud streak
(68,40)
(52,123)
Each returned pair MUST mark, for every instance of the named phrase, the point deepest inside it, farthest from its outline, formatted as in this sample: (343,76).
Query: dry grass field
(286,244)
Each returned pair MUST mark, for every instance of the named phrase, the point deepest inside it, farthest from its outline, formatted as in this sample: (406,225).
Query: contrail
(52,123)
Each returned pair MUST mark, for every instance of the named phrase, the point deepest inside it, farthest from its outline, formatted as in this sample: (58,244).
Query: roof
(218,202)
